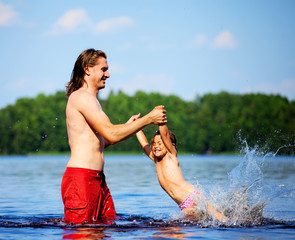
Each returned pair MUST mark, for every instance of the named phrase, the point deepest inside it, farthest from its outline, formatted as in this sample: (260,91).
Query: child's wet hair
(171,135)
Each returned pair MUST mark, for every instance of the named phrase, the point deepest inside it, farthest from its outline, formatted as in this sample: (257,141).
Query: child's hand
(159,107)
(133,118)
(158,115)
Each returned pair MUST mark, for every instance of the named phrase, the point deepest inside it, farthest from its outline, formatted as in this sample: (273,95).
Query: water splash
(246,200)
(243,200)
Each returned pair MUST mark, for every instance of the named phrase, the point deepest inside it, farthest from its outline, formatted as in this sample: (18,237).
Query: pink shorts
(189,201)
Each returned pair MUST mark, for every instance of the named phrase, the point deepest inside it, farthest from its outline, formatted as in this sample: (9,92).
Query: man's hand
(158,115)
(133,118)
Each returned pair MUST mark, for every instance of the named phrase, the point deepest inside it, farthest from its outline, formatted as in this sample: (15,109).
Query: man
(85,194)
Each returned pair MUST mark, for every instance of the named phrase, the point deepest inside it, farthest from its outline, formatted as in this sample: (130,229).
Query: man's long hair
(87,58)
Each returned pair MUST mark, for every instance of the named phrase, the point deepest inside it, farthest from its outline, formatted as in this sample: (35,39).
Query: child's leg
(217,215)
(188,208)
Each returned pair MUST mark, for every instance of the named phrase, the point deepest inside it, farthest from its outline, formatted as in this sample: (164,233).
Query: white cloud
(27,87)
(155,44)
(124,47)
(224,40)
(114,24)
(160,46)
(24,85)
(78,19)
(72,20)
(8,15)
(116,68)
(152,83)
(19,84)
(159,83)
(200,40)
(284,88)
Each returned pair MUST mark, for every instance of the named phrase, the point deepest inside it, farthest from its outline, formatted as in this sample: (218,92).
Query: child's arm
(142,139)
(164,132)
(145,144)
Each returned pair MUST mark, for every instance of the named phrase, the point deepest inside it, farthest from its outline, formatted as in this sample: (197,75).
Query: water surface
(31,205)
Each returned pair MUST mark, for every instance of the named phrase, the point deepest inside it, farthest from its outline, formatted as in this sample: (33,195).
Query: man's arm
(133,118)
(164,132)
(90,108)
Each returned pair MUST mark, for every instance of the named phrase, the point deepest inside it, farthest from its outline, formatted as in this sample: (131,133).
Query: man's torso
(86,145)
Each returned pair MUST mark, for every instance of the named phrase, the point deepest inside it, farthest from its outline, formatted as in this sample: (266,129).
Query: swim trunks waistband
(83,171)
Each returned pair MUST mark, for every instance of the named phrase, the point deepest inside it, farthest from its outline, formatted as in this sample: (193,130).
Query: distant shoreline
(120,153)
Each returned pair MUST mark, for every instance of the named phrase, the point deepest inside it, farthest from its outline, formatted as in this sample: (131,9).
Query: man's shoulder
(81,99)
(78,93)
(81,95)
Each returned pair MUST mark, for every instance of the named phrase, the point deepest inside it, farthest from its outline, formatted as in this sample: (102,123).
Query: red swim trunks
(86,196)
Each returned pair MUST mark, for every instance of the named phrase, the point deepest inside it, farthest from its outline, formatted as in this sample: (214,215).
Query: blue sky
(186,48)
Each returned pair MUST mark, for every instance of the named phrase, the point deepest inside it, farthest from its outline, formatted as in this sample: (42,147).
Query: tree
(212,123)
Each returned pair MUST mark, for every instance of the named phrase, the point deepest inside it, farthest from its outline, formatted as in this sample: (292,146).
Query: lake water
(31,206)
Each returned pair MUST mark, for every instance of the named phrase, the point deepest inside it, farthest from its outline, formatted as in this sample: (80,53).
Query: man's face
(99,73)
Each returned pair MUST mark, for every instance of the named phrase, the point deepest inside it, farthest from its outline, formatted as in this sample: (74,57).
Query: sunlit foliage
(213,123)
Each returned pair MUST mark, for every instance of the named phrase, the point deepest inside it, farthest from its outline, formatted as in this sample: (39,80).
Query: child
(163,152)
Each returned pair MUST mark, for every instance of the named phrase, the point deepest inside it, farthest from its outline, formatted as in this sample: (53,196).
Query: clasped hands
(157,115)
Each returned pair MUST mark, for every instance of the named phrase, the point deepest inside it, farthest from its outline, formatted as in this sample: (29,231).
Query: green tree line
(212,123)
